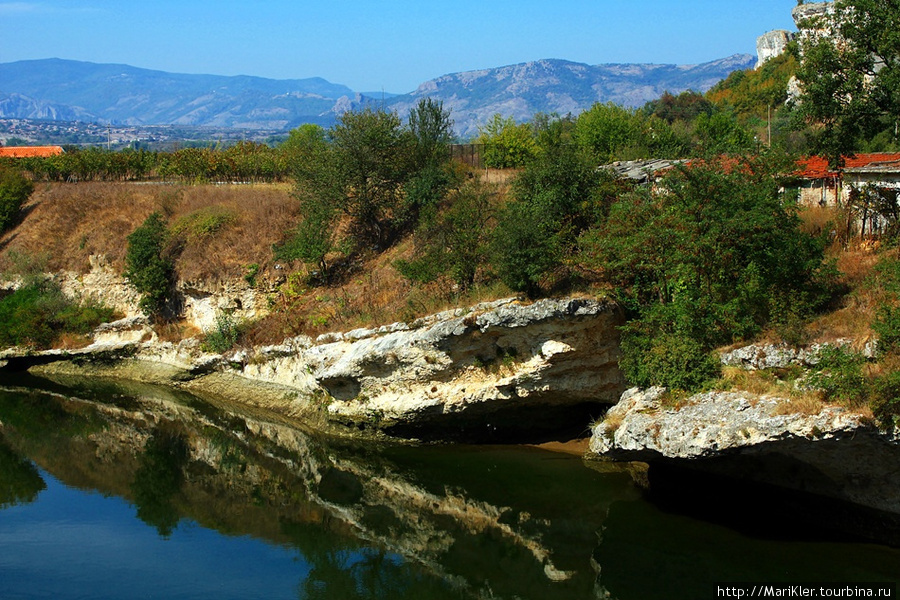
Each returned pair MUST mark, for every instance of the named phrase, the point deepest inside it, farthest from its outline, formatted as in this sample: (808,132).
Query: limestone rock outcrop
(804,13)
(833,453)
(497,369)
(772,44)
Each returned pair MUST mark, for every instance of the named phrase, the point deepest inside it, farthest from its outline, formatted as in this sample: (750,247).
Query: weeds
(223,336)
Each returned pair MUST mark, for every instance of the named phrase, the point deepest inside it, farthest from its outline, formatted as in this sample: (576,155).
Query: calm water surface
(130,491)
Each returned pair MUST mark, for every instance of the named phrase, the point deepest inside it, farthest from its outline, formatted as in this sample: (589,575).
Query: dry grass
(853,317)
(371,295)
(70,222)
(777,383)
(804,404)
(613,422)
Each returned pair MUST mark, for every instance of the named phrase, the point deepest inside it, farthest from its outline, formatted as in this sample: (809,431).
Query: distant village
(29,132)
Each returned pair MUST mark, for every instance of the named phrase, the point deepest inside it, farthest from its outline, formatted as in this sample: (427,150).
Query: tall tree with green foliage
(455,243)
(713,256)
(850,76)
(558,195)
(318,188)
(371,169)
(507,144)
(431,177)
(148,266)
(373,155)
(607,131)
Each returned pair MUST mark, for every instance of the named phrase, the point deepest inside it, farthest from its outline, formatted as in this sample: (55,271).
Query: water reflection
(364,520)
(371,521)
(159,478)
(20,482)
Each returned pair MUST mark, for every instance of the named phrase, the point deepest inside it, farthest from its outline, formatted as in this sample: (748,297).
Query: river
(123,490)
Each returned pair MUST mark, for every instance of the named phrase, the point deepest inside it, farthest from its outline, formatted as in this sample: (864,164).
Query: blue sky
(392,45)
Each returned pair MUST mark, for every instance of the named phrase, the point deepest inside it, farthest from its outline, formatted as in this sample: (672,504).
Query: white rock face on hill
(772,44)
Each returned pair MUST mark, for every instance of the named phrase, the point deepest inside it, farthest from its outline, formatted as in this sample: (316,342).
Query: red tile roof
(29,151)
(816,167)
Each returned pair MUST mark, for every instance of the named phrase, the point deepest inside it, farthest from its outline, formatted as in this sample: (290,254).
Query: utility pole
(769,125)
(108,136)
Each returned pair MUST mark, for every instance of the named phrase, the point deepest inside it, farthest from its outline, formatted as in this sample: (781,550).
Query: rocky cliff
(832,453)
(774,43)
(495,371)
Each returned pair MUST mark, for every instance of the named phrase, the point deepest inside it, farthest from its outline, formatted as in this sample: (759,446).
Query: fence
(470,154)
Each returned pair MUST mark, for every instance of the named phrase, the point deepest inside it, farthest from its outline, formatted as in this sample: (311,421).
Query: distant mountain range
(69,90)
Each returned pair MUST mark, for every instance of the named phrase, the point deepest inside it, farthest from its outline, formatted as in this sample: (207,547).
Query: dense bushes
(38,315)
(713,256)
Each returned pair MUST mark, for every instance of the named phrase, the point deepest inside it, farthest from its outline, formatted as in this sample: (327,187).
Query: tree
(720,133)
(712,257)
(15,189)
(556,196)
(147,267)
(850,74)
(686,106)
(317,187)
(455,243)
(431,129)
(606,130)
(507,145)
(372,153)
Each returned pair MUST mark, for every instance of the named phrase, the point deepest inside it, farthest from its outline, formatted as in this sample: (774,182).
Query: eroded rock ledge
(499,370)
(833,453)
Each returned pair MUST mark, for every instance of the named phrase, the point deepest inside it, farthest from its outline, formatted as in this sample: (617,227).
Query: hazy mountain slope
(25,107)
(561,86)
(130,95)
(73,90)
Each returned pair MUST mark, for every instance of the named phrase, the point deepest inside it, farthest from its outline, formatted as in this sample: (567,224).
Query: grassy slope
(67,223)
(224,230)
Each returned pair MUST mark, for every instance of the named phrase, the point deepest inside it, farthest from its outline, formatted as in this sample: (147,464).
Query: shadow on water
(369,520)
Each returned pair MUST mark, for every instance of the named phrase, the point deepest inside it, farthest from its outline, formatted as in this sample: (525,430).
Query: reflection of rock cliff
(833,453)
(264,477)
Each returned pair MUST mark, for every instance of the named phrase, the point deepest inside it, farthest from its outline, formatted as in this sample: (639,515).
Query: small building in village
(823,186)
(868,186)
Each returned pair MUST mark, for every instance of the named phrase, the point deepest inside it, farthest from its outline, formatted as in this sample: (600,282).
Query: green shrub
(887,326)
(885,399)
(14,191)
(203,223)
(38,313)
(670,360)
(455,242)
(147,267)
(839,374)
(224,334)
(715,255)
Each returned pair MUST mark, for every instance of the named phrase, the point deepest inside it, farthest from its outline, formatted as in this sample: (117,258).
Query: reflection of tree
(368,574)
(342,568)
(158,478)
(20,481)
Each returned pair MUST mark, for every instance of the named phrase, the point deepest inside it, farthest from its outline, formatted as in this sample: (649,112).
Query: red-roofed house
(29,151)
(825,187)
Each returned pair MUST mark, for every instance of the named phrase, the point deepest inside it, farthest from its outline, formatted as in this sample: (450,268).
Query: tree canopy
(850,74)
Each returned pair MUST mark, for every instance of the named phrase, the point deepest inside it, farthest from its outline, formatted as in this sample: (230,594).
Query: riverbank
(501,371)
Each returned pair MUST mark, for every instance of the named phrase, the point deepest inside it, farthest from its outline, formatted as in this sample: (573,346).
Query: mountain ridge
(63,89)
